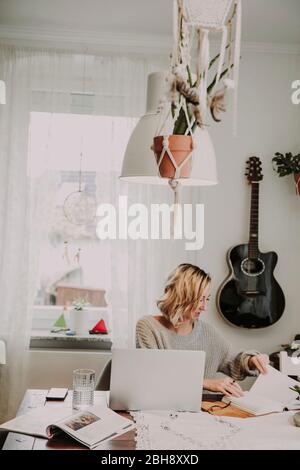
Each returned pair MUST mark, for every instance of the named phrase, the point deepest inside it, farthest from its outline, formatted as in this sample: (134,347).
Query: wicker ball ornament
(80,208)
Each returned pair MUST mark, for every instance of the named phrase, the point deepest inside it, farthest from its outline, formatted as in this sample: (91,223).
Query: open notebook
(270,393)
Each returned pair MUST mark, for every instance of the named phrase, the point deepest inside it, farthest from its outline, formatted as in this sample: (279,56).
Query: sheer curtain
(16,230)
(53,81)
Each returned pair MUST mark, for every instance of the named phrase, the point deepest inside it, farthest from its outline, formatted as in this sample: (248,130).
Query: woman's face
(202,304)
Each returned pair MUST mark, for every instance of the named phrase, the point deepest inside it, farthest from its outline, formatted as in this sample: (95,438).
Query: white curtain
(51,81)
(16,231)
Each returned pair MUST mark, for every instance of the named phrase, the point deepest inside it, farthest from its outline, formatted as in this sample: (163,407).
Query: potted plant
(78,316)
(288,164)
(189,95)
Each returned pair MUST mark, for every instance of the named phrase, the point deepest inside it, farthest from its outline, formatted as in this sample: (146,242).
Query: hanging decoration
(190,95)
(77,256)
(79,206)
(66,252)
(175,125)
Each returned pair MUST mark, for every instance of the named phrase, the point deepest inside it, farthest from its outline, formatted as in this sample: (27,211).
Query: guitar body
(251,297)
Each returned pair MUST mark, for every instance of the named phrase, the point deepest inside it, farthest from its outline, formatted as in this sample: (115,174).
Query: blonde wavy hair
(183,291)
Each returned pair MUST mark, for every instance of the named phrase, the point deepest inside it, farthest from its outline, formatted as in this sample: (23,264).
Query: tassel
(65,255)
(175,186)
(222,54)
(77,256)
(202,69)
(176,7)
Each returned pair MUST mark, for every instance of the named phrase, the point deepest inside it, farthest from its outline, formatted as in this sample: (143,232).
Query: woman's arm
(237,365)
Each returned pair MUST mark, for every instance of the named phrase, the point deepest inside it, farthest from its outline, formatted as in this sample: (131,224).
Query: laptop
(156,379)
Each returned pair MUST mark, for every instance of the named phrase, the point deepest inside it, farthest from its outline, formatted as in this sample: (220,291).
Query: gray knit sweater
(151,334)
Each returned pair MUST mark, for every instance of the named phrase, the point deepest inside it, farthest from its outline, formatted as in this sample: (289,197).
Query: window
(73,262)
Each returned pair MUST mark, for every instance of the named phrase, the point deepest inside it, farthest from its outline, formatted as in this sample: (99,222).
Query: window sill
(43,339)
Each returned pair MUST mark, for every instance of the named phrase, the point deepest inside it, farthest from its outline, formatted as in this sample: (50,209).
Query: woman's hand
(259,362)
(227,386)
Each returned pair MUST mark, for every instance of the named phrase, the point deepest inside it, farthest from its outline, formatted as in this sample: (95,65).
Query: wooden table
(35,398)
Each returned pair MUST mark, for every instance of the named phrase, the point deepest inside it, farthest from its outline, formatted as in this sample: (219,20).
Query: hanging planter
(189,95)
(173,155)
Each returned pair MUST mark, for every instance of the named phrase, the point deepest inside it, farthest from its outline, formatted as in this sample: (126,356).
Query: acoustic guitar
(251,297)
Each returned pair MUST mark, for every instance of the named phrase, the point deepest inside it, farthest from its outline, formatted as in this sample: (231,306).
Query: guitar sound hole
(252,266)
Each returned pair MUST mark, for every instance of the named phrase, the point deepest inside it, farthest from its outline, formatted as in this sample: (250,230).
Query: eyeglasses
(204,299)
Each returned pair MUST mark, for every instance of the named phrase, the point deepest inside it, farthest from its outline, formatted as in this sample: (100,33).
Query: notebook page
(275,386)
(255,404)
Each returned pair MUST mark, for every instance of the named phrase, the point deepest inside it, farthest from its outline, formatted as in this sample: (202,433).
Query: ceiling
(264,21)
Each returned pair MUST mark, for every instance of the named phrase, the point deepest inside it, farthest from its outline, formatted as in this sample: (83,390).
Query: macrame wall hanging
(224,16)
(183,112)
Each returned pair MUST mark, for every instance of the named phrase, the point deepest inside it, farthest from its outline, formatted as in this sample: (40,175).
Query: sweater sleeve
(236,364)
(145,337)
(232,363)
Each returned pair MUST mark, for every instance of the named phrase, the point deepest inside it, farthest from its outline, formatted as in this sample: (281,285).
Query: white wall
(267,122)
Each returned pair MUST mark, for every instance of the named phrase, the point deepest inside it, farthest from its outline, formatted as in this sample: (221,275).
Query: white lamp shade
(2,92)
(139,164)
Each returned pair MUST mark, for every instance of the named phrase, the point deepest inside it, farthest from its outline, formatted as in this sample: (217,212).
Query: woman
(187,292)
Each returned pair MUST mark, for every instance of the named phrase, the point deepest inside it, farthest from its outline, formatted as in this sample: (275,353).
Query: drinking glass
(83,388)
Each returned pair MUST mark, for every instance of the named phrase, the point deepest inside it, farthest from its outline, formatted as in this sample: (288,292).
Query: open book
(270,393)
(90,427)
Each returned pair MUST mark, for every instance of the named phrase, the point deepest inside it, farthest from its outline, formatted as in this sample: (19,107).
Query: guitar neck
(254,219)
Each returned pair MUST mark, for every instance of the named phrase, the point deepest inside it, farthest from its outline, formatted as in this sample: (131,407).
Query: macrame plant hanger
(297,183)
(213,16)
(167,121)
(202,17)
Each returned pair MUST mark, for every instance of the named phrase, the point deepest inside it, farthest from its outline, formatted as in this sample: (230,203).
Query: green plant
(286,164)
(296,388)
(80,303)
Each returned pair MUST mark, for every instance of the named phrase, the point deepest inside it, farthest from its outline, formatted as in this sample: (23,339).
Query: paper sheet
(275,386)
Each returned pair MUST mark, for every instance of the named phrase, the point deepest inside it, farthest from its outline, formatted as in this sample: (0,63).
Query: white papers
(276,386)
(270,393)
(255,404)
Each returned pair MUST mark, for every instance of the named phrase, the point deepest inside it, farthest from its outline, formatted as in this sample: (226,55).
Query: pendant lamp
(139,164)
